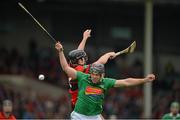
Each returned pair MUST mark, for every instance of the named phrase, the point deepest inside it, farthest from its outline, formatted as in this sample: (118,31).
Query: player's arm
(134,81)
(63,62)
(86,35)
(104,58)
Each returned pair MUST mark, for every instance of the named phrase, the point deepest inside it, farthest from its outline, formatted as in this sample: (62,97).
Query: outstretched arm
(86,35)
(104,58)
(134,81)
(68,70)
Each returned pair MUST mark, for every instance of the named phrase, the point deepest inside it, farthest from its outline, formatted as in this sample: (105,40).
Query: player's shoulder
(108,83)
(1,115)
(79,68)
(165,116)
(79,73)
(108,80)
(13,117)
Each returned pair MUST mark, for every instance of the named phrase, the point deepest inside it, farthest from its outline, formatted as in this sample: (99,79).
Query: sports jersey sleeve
(109,83)
(79,76)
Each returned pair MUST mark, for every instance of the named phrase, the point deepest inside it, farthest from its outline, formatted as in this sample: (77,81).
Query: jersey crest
(93,91)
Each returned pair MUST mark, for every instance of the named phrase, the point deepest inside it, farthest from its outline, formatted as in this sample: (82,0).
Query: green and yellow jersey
(90,95)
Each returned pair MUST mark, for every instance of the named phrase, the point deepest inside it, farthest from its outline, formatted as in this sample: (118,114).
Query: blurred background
(26,51)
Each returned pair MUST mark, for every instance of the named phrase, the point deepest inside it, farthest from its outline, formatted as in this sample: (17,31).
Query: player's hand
(58,46)
(112,55)
(150,78)
(87,34)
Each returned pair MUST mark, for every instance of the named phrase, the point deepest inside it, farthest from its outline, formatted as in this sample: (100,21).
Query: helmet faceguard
(75,55)
(97,68)
(96,73)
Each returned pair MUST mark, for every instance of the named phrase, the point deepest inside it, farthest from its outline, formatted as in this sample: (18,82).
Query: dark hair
(7,102)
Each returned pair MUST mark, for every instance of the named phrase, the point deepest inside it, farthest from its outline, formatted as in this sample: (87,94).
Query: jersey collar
(90,81)
(5,115)
(177,115)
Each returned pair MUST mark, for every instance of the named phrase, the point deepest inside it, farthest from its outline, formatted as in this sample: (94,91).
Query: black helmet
(75,55)
(97,68)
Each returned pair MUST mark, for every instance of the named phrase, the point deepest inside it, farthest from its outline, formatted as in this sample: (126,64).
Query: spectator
(7,110)
(174,112)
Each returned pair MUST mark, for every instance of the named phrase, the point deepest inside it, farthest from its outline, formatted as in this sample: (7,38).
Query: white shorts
(77,116)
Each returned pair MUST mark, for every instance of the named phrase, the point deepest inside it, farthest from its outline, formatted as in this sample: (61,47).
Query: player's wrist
(60,50)
(85,38)
(145,80)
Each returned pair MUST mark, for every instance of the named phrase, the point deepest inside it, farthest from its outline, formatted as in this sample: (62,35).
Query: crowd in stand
(28,106)
(120,103)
